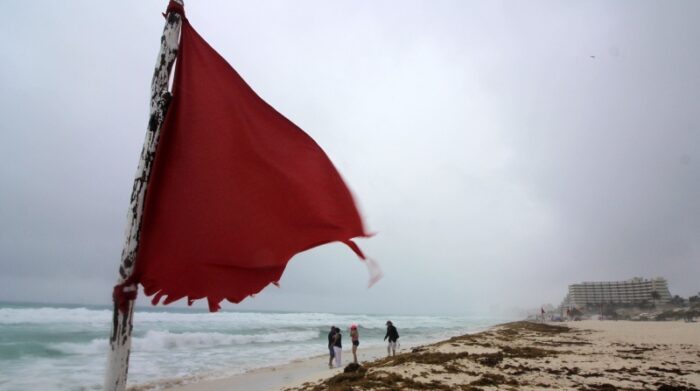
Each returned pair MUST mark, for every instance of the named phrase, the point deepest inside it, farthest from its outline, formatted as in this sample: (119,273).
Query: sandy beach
(586,355)
(278,377)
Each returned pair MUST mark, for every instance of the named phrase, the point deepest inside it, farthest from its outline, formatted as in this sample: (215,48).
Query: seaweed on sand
(376,380)
(598,387)
(431,358)
(493,379)
(527,352)
(670,387)
(375,376)
(536,327)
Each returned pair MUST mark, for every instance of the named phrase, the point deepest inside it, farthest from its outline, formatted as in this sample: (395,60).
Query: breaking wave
(160,341)
(165,340)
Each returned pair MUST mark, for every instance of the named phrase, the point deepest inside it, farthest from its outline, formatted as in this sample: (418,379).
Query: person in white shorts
(338,347)
(393,335)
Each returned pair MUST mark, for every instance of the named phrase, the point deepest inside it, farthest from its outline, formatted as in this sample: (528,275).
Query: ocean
(62,347)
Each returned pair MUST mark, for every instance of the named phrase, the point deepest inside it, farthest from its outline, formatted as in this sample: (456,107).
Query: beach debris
(493,379)
(353,367)
(670,387)
(513,356)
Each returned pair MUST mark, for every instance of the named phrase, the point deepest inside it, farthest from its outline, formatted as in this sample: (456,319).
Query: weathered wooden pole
(125,292)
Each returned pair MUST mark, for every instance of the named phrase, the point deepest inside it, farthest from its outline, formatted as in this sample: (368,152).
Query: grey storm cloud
(500,150)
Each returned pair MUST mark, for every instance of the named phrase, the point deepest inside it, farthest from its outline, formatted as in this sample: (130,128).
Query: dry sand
(587,355)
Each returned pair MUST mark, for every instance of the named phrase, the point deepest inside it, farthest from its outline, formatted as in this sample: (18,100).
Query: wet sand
(272,378)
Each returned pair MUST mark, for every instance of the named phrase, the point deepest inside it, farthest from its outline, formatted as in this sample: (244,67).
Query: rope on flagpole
(125,292)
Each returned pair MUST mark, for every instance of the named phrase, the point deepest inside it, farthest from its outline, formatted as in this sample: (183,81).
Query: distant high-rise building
(631,291)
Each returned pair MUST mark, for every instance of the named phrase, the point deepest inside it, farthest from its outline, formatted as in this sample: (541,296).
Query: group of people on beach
(335,343)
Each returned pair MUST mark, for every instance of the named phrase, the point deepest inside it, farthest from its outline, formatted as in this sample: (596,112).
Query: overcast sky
(500,150)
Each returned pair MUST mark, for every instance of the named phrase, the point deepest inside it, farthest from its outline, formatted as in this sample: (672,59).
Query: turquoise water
(50,347)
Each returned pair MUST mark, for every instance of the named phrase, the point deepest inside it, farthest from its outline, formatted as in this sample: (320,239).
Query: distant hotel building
(635,290)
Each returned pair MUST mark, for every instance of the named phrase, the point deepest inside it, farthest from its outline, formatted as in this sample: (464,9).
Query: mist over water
(53,347)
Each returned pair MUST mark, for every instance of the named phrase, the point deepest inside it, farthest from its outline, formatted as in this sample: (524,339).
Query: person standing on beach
(355,337)
(393,336)
(337,347)
(331,341)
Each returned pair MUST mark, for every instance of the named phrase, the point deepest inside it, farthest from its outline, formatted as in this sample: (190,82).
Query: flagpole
(125,291)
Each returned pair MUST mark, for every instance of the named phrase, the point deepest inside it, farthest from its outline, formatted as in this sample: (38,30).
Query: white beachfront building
(635,290)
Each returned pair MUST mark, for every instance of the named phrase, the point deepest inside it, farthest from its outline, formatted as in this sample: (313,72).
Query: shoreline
(275,377)
(278,376)
(585,355)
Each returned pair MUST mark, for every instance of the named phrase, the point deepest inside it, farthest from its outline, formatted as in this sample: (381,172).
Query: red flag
(236,189)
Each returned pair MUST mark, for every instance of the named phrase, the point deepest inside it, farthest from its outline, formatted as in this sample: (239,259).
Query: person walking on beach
(331,341)
(355,336)
(337,347)
(393,336)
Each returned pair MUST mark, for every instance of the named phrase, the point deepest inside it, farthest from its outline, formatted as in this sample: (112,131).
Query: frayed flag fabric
(236,189)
